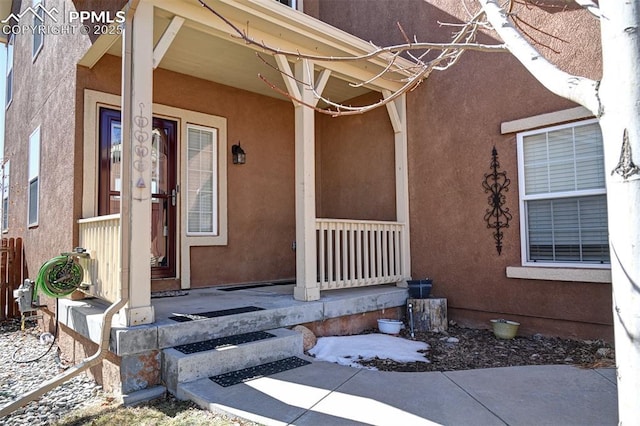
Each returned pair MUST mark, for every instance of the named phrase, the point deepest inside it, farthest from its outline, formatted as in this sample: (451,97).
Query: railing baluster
(359,236)
(321,227)
(330,258)
(352,258)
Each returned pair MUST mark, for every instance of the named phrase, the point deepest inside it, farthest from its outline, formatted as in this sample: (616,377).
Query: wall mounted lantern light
(239,157)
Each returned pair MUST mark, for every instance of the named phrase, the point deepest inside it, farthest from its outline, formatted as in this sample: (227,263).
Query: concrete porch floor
(279,310)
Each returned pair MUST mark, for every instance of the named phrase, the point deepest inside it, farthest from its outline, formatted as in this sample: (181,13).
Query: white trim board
(560,274)
(544,120)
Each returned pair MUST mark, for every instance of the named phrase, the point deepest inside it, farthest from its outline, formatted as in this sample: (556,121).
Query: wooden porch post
(397,110)
(135,213)
(306,263)
(307,287)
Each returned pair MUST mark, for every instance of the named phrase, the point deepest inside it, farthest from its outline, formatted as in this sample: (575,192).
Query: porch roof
(205,47)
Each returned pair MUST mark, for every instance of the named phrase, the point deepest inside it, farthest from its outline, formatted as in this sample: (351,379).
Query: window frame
(524,198)
(293,4)
(215,212)
(6,186)
(9,71)
(38,20)
(33,176)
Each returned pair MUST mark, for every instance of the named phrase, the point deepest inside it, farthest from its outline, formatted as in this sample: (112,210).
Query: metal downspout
(103,348)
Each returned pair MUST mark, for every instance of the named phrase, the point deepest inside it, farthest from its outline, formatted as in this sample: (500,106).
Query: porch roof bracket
(289,80)
(397,110)
(394,115)
(296,88)
(165,41)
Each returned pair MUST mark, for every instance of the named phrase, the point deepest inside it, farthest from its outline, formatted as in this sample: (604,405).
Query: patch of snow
(347,350)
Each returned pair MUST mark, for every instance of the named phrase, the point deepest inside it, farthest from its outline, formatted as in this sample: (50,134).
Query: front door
(162,253)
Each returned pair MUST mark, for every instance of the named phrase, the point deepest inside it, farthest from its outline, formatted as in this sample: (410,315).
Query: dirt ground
(462,348)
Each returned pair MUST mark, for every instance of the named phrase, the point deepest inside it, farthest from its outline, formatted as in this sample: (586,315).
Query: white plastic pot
(389,326)
(504,329)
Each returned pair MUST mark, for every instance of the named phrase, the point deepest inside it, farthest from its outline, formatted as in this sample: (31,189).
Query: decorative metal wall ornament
(496,184)
(141,152)
(626,167)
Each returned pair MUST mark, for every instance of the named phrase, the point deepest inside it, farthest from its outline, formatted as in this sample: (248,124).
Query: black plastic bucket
(420,289)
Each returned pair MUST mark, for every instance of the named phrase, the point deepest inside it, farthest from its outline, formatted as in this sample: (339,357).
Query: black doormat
(246,374)
(214,314)
(221,342)
(250,286)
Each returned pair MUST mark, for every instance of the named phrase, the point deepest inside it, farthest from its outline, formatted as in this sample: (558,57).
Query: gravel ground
(18,378)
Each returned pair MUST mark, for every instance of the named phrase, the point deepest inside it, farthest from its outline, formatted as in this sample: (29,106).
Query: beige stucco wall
(43,95)
(356,165)
(454,121)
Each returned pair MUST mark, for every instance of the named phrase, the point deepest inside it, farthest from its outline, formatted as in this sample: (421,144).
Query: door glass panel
(160,198)
(115,157)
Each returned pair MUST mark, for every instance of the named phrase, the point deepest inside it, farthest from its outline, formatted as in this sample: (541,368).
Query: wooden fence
(12,273)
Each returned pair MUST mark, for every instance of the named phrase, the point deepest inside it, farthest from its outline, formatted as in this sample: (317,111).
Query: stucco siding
(43,96)
(454,122)
(357,165)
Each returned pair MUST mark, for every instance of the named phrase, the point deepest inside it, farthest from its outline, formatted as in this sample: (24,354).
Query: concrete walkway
(329,394)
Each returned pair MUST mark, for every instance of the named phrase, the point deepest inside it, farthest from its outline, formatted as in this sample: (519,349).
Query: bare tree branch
(420,68)
(581,90)
(578,89)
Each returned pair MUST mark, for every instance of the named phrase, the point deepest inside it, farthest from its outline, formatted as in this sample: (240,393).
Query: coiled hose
(59,277)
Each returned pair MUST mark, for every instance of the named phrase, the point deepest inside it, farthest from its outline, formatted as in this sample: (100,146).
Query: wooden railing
(356,253)
(100,236)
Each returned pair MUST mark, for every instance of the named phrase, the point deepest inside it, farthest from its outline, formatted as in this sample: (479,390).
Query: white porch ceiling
(204,47)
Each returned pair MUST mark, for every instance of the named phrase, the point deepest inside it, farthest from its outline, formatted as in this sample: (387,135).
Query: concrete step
(196,329)
(226,354)
(272,399)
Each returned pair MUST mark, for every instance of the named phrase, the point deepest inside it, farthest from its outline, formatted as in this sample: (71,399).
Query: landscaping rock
(308,338)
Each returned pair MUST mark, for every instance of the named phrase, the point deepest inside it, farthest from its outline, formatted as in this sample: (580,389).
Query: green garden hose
(59,277)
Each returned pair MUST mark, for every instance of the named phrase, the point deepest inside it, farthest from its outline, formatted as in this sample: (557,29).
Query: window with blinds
(33,185)
(562,195)
(202,180)
(9,81)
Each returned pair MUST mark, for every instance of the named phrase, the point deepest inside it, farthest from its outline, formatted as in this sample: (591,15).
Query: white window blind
(202,181)
(563,197)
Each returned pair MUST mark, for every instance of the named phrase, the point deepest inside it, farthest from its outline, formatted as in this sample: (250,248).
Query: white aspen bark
(620,97)
(616,102)
(581,90)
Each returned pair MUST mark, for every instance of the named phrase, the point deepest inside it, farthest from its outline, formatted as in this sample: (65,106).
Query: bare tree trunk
(616,102)
(620,98)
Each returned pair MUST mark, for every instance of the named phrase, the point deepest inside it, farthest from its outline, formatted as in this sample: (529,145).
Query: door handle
(173,197)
